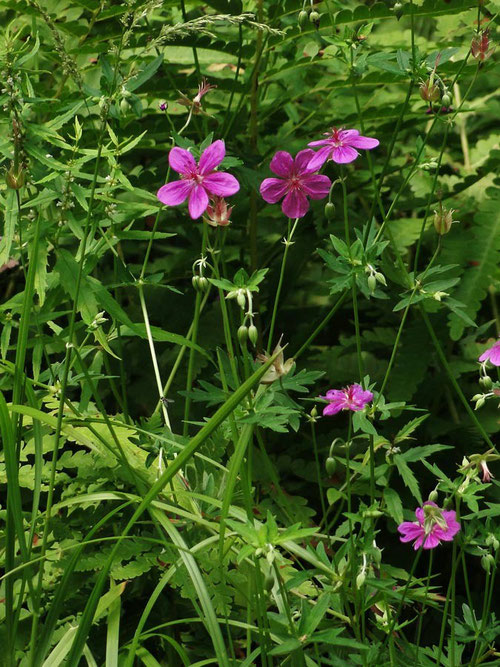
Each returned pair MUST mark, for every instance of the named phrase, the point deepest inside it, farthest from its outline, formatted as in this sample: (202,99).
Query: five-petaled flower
(433,526)
(198,181)
(340,146)
(297,182)
(492,354)
(352,398)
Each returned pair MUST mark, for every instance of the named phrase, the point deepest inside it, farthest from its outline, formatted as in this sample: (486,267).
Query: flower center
(294,183)
(335,137)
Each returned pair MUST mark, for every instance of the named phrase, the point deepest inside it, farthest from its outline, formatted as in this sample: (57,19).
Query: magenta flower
(340,146)
(297,182)
(198,181)
(433,525)
(352,398)
(492,354)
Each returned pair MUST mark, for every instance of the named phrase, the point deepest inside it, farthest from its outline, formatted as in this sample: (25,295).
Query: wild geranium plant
(189,260)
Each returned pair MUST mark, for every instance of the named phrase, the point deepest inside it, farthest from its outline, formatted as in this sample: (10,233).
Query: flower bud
(486,382)
(203,284)
(398,10)
(380,278)
(433,496)
(242,334)
(314,412)
(446,99)
(377,556)
(429,91)
(124,105)
(360,579)
(492,541)
(241,299)
(253,334)
(330,210)
(330,465)
(315,18)
(195,280)
(372,282)
(480,402)
(487,562)
(303,18)
(15,180)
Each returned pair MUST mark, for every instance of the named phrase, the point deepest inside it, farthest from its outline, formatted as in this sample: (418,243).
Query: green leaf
(408,477)
(394,504)
(9,227)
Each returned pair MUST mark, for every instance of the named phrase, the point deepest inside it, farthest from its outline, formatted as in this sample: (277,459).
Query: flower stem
(288,243)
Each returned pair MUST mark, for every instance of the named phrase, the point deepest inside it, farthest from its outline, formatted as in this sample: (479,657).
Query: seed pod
(269,582)
(372,282)
(486,382)
(243,334)
(303,18)
(315,18)
(330,465)
(253,334)
(330,210)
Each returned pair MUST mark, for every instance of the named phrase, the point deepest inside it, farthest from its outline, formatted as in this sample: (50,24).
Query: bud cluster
(374,277)
(199,280)
(308,15)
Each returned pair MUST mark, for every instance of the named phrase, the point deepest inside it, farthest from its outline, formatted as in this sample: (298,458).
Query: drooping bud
(379,277)
(429,91)
(360,579)
(492,541)
(195,280)
(253,334)
(203,284)
(243,334)
(433,496)
(480,402)
(446,99)
(480,46)
(486,382)
(372,282)
(330,210)
(330,465)
(241,298)
(398,10)
(487,562)
(303,18)
(315,18)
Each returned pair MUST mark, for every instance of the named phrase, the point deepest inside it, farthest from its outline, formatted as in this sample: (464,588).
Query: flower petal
(363,142)
(316,186)
(344,154)
(273,189)
(320,142)
(281,164)
(301,162)
(431,541)
(409,531)
(212,156)
(418,542)
(182,161)
(221,184)
(332,409)
(295,204)
(320,158)
(173,194)
(198,201)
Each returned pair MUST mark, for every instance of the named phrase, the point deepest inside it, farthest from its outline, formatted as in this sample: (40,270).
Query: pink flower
(340,146)
(433,525)
(487,474)
(297,182)
(352,398)
(492,354)
(198,181)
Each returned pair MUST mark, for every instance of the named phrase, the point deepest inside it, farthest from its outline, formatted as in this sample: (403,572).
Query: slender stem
(318,468)
(321,325)
(288,243)
(422,611)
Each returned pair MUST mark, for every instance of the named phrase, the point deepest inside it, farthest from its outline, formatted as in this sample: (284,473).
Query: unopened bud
(377,556)
(486,382)
(372,282)
(433,496)
(253,334)
(330,465)
(429,91)
(492,541)
(446,99)
(330,210)
(398,10)
(242,334)
(314,412)
(380,278)
(315,18)
(303,18)
(487,562)
(480,402)
(241,299)
(124,105)
(360,579)
(203,284)
(195,280)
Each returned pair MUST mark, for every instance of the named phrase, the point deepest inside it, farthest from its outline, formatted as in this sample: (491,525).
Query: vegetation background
(159,504)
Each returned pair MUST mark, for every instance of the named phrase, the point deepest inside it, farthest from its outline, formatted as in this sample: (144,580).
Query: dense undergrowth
(218,418)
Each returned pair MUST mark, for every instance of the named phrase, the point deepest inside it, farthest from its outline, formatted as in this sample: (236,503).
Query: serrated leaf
(408,477)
